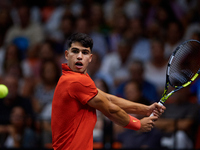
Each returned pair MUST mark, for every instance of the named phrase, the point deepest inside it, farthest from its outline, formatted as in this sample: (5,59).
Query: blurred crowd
(133,40)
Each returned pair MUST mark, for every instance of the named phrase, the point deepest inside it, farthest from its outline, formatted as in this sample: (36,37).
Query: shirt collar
(66,67)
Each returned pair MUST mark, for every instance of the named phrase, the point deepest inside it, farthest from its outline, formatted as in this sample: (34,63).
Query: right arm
(116,114)
(135,108)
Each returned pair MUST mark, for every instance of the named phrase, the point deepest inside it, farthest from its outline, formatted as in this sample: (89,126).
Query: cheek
(70,58)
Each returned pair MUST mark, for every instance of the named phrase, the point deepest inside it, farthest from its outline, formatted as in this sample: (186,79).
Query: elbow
(113,109)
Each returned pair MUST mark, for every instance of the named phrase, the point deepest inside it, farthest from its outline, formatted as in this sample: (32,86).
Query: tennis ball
(3,91)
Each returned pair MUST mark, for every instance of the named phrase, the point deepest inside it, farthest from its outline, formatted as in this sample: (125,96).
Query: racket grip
(160,103)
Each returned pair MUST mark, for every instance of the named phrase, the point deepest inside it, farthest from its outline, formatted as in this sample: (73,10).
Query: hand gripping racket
(183,68)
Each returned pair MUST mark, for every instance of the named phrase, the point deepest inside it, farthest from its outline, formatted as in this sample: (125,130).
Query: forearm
(128,106)
(110,110)
(120,117)
(117,115)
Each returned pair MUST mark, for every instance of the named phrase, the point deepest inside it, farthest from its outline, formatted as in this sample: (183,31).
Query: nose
(79,56)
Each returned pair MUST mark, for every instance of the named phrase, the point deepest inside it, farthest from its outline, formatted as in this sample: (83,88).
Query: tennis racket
(182,69)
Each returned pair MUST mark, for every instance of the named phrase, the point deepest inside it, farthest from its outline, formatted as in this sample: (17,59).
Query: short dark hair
(82,38)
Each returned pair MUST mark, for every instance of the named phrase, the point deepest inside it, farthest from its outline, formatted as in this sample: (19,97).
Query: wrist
(134,123)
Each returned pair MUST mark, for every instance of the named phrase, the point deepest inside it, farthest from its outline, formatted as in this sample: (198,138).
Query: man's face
(78,57)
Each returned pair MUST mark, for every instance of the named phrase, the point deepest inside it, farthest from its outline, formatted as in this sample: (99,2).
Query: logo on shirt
(134,120)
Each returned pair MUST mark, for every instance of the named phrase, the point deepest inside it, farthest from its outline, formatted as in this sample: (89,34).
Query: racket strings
(185,63)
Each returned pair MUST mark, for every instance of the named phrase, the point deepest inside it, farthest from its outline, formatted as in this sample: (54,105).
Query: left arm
(133,107)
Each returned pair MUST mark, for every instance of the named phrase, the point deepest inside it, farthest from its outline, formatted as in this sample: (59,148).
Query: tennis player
(76,99)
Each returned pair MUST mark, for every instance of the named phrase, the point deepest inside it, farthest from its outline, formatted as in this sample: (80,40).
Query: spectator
(160,12)
(5,22)
(191,9)
(155,69)
(26,33)
(44,88)
(14,5)
(82,25)
(191,30)
(128,7)
(136,71)
(153,31)
(116,64)
(133,92)
(95,73)
(59,36)
(187,6)
(12,56)
(97,19)
(38,54)
(72,7)
(174,36)
(47,10)
(140,44)
(118,29)
(19,135)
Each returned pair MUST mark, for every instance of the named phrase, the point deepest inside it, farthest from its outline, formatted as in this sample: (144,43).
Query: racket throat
(164,98)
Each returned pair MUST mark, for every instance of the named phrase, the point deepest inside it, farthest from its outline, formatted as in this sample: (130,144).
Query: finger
(147,129)
(150,127)
(161,110)
(163,107)
(160,107)
(156,112)
(154,117)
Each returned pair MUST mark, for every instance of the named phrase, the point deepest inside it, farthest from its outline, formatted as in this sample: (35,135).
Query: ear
(66,54)
(90,58)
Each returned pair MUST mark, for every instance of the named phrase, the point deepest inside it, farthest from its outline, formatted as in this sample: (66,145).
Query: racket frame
(165,96)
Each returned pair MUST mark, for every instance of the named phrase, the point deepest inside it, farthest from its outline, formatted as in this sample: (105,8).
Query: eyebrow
(74,48)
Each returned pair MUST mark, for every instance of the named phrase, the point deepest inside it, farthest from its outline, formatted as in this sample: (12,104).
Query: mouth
(79,65)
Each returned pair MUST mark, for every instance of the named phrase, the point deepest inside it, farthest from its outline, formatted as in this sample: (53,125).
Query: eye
(75,50)
(85,52)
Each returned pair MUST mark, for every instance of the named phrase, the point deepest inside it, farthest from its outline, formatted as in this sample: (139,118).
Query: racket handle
(160,103)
